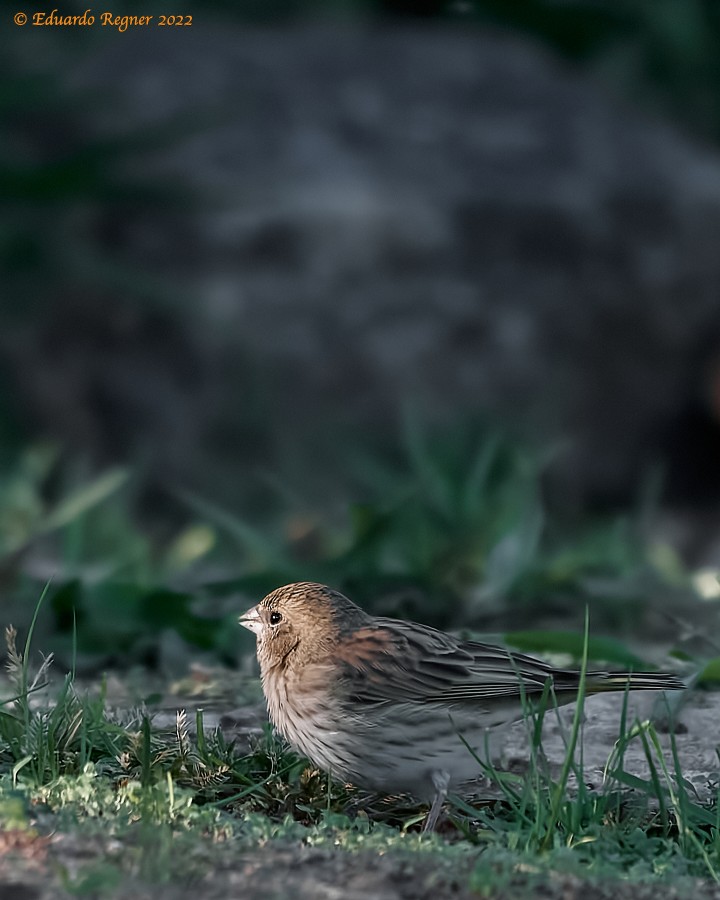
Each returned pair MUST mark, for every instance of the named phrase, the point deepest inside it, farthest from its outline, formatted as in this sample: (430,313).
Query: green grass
(660,829)
(162,793)
(453,529)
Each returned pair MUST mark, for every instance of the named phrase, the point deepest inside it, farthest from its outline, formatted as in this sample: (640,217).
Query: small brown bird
(392,705)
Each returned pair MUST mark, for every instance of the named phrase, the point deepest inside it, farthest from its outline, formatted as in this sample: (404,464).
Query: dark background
(419,298)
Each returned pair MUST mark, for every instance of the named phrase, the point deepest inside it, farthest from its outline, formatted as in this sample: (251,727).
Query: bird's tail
(599,682)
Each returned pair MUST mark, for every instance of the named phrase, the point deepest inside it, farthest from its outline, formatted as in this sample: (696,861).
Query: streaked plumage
(383,703)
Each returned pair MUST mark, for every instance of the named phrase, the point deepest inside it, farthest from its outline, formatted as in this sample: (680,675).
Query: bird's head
(304,617)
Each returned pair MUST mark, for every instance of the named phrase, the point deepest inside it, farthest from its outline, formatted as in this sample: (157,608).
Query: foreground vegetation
(174,804)
(454,533)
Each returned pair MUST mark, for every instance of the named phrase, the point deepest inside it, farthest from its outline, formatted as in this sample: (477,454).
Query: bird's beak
(251,620)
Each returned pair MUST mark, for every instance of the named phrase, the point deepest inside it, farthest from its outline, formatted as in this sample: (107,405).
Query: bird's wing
(399,661)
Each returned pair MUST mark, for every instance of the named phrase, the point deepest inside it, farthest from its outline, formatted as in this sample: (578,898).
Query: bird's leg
(441,782)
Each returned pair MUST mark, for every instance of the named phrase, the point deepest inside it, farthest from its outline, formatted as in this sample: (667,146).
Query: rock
(445,216)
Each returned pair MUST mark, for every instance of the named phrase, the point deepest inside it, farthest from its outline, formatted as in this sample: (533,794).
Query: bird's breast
(302,707)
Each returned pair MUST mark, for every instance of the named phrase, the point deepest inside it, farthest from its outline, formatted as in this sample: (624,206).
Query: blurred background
(421,299)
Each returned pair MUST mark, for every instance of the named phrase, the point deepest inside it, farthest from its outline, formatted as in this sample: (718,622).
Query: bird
(396,706)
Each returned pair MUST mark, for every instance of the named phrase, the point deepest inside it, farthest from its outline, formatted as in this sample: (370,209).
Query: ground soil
(48,864)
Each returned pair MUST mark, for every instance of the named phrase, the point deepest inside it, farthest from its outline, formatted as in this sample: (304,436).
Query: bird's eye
(275,618)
